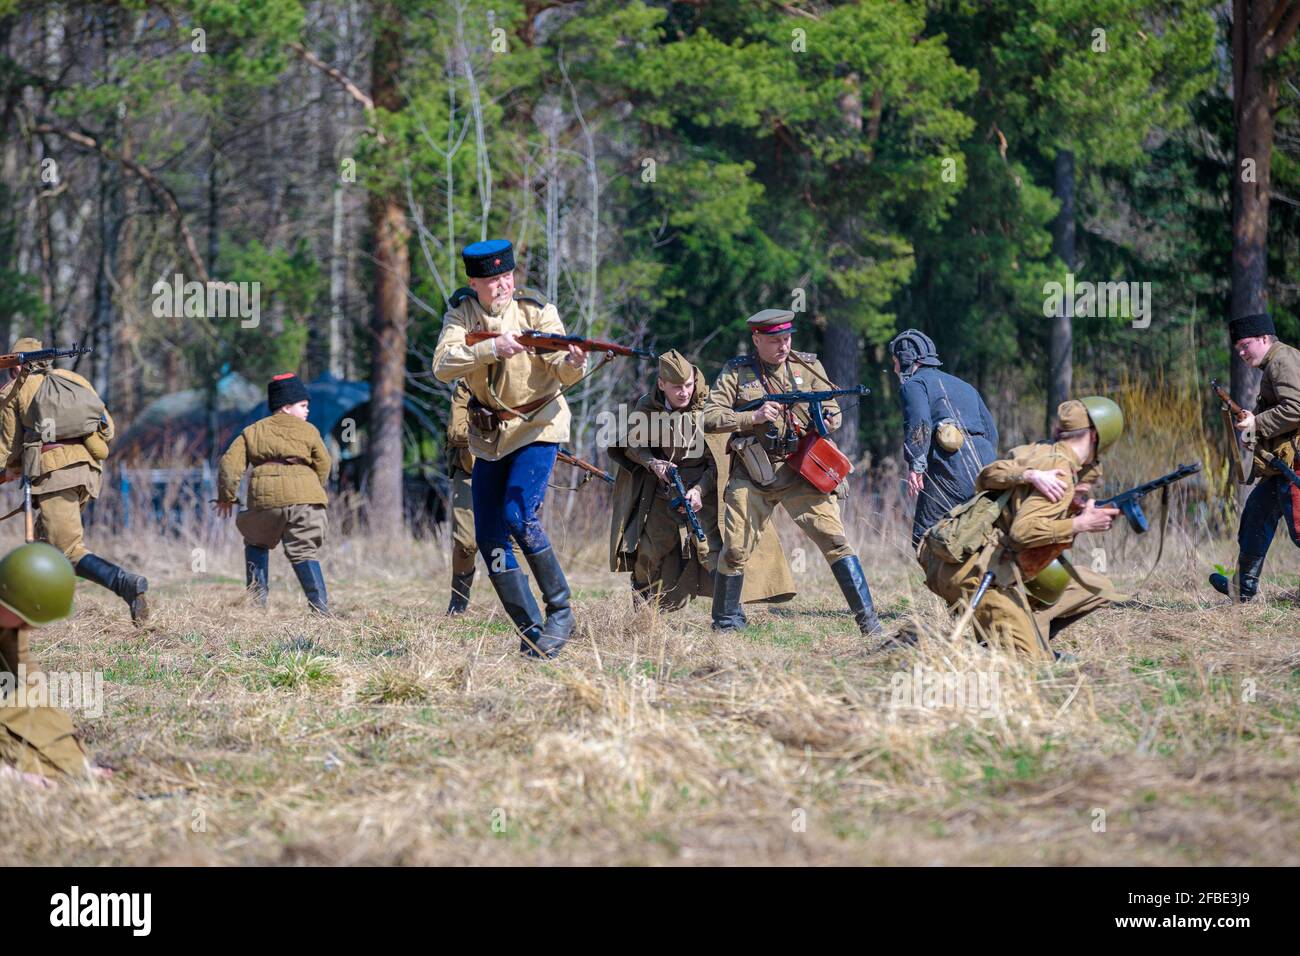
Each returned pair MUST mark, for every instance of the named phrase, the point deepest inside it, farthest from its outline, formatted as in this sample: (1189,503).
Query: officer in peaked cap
(760,442)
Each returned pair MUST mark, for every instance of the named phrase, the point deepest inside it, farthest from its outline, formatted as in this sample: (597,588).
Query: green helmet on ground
(37,583)
(1048,584)
(1106,417)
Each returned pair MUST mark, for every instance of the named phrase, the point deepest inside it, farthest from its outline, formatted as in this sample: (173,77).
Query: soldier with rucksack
(54,432)
(1035,499)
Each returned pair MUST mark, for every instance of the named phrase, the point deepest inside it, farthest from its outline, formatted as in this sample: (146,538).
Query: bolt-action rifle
(592,471)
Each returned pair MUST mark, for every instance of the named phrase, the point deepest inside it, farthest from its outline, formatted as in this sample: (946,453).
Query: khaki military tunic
(464,546)
(1277,412)
(1006,616)
(646,532)
(750,500)
(654,542)
(34,739)
(509,383)
(70,475)
(286,494)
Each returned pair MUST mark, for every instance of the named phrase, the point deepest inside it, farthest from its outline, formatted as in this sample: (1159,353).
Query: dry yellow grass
(393,736)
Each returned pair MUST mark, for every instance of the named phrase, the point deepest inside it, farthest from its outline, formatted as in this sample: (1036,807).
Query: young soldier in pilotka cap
(1276,424)
(286,495)
(668,562)
(1044,484)
(761,478)
(518,419)
(66,473)
(38,742)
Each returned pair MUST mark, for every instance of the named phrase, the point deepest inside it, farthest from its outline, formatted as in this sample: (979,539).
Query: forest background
(664,169)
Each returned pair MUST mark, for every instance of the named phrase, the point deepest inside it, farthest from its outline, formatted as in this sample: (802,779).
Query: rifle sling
(1164,524)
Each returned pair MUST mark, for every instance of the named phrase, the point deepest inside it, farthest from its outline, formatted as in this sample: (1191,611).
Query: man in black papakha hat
(286,495)
(1275,423)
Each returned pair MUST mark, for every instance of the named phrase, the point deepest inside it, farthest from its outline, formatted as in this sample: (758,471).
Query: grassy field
(393,736)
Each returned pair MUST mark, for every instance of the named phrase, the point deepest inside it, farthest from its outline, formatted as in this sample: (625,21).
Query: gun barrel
(1140,491)
(797,398)
(569,458)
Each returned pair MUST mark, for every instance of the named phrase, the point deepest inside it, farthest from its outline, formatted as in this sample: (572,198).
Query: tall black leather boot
(740,605)
(256,572)
(853,584)
(519,604)
(1249,568)
(313,585)
(727,615)
(129,587)
(460,585)
(555,592)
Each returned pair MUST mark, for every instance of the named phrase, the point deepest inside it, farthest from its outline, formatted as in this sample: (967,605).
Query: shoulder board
(808,357)
(738,361)
(460,295)
(531,295)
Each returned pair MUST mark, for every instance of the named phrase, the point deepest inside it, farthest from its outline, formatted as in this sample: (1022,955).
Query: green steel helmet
(1049,584)
(37,583)
(1106,417)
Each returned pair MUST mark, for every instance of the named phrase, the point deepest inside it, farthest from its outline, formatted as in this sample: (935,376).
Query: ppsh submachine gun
(681,501)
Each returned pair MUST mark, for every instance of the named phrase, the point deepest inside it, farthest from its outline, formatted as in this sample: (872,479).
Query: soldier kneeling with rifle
(988,552)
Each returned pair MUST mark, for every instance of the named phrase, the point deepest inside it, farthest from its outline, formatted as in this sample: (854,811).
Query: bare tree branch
(356,92)
(156,186)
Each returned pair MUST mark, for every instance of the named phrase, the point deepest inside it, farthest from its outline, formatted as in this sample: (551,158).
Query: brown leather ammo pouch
(758,466)
(483,419)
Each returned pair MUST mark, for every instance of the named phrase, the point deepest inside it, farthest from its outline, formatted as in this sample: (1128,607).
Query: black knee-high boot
(129,587)
(257,563)
(520,606)
(313,585)
(555,592)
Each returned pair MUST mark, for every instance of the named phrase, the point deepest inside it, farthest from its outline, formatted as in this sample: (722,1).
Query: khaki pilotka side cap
(28,344)
(675,369)
(1073,415)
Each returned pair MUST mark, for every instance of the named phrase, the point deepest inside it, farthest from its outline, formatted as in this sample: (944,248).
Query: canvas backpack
(966,529)
(62,409)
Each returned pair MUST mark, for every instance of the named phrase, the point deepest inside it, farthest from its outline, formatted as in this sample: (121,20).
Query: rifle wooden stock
(1232,412)
(1237,411)
(576,462)
(1033,560)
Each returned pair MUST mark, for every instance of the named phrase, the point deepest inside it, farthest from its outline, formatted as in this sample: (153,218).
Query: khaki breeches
(59,521)
(463,546)
(300,528)
(748,509)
